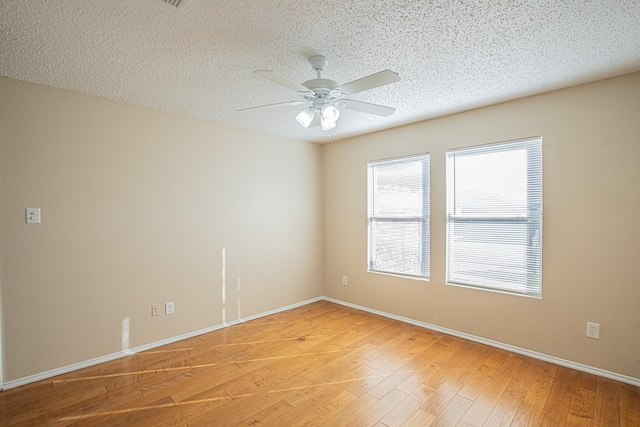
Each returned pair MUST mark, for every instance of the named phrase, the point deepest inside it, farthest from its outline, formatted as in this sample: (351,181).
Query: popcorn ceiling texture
(198,60)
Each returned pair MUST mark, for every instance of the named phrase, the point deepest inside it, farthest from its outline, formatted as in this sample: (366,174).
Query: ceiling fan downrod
(318,63)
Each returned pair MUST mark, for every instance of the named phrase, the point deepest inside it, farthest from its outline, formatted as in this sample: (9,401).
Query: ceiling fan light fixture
(326,125)
(330,113)
(306,116)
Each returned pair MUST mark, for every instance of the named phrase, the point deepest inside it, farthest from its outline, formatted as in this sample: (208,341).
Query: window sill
(402,276)
(496,290)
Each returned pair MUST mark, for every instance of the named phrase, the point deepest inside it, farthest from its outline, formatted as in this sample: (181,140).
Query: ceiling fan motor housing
(320,85)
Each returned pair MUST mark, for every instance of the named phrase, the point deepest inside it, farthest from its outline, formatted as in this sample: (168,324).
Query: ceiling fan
(325,98)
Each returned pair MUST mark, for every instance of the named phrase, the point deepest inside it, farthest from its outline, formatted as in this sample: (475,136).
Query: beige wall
(137,207)
(591,241)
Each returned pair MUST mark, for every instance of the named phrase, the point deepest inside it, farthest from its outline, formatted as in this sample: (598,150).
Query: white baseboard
(109,357)
(551,359)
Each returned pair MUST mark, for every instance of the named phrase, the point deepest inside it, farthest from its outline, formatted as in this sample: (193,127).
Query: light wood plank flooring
(328,365)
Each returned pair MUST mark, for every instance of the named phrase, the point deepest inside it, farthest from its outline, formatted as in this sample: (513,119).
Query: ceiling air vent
(176,3)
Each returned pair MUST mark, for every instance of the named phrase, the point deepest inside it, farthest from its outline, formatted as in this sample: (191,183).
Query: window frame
(533,218)
(425,218)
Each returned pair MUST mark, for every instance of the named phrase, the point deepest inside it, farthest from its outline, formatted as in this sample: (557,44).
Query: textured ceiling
(197,60)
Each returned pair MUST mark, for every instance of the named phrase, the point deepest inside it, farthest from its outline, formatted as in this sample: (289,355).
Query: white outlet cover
(169,308)
(593,330)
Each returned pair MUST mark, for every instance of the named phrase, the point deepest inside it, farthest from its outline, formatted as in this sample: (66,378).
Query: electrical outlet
(169,308)
(155,310)
(593,330)
(345,280)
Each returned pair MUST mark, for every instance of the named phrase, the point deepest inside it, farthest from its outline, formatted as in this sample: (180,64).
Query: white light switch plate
(33,215)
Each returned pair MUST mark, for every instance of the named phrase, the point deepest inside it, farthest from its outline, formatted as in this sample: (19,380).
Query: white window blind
(494,217)
(399,216)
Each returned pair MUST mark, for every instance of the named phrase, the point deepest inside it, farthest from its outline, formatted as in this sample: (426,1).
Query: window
(399,216)
(494,217)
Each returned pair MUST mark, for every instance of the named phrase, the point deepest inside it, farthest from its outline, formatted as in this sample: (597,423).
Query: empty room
(319,213)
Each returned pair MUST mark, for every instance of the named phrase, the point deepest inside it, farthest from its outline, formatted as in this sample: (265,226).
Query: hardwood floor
(328,365)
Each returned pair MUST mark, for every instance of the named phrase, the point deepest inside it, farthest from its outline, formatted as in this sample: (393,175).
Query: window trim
(504,218)
(425,218)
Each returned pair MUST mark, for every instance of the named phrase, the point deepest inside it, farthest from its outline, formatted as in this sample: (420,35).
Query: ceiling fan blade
(281,80)
(365,107)
(279,104)
(378,79)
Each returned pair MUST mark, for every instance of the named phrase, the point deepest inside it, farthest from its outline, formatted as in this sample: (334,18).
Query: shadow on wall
(224,289)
